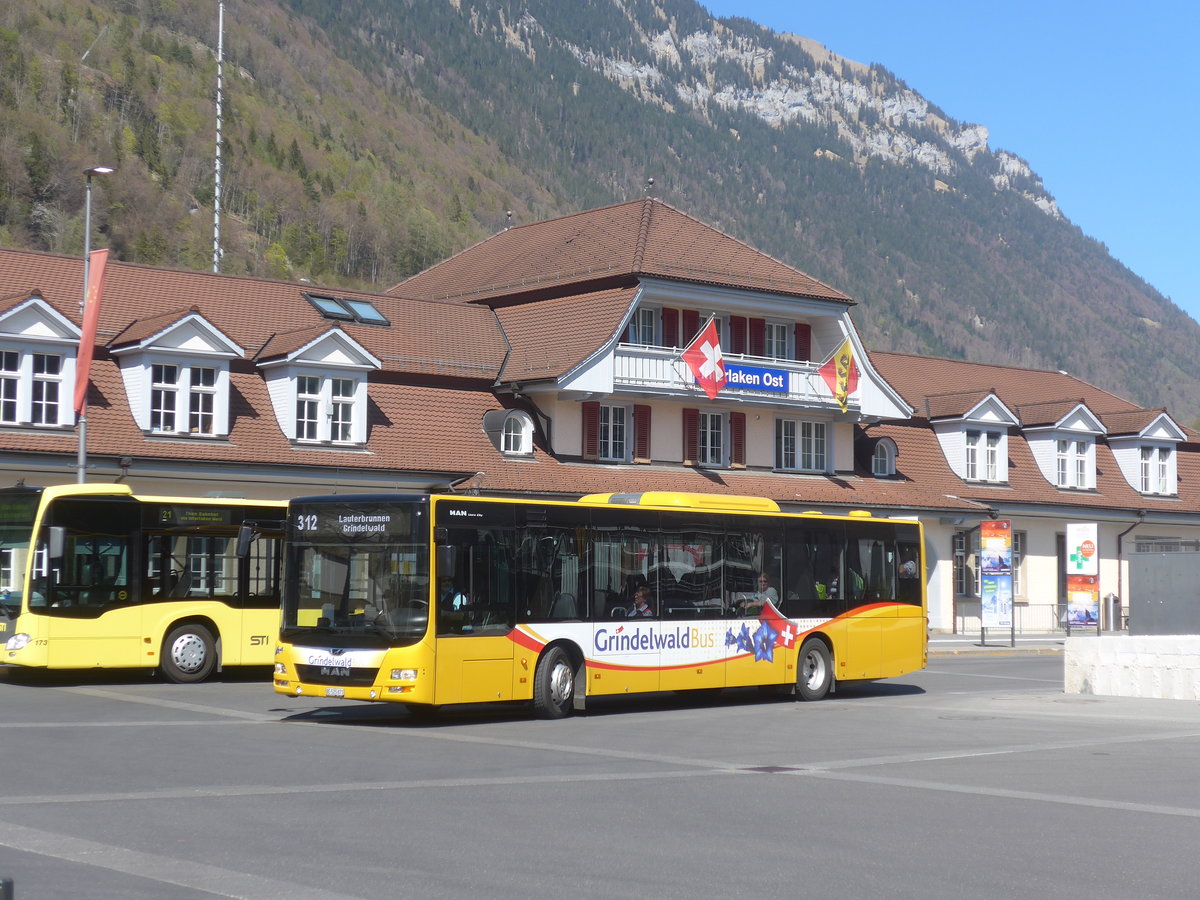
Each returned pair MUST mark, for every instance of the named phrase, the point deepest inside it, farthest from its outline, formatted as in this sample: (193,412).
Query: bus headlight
(21,641)
(280,669)
(404,674)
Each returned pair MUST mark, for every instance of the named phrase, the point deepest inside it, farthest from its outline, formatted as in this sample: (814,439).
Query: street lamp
(81,462)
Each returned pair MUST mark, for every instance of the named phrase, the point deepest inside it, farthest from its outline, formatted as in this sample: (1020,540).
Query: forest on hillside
(365,140)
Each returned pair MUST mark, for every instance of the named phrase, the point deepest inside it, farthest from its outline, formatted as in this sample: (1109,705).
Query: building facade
(560,358)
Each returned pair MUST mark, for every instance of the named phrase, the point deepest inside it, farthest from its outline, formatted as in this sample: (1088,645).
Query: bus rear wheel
(189,654)
(814,674)
(554,684)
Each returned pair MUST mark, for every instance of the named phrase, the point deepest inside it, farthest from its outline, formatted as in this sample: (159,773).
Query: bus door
(625,652)
(89,592)
(760,642)
(474,609)
(689,577)
(870,582)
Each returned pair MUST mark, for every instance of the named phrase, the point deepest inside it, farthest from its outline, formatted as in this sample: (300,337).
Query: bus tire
(189,654)
(554,684)
(814,670)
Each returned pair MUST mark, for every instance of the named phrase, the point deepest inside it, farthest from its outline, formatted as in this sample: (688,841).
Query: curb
(997,651)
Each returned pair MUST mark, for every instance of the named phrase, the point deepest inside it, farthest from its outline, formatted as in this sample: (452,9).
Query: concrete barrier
(1165,667)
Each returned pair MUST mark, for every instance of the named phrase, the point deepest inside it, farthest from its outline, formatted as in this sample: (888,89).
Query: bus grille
(336,675)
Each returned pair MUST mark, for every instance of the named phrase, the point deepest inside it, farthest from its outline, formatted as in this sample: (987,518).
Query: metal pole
(81,461)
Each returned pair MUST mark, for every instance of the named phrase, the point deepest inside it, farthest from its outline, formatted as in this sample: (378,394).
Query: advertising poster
(996,596)
(1082,558)
(1083,600)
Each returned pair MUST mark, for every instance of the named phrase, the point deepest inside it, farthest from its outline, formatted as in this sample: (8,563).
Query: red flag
(97,263)
(703,356)
(841,373)
(786,633)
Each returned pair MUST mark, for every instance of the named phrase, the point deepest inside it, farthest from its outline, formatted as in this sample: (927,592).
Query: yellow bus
(94,576)
(430,600)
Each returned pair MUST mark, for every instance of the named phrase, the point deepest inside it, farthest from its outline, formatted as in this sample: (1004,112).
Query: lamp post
(81,462)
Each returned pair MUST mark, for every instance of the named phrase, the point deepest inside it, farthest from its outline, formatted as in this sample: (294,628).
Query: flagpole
(81,459)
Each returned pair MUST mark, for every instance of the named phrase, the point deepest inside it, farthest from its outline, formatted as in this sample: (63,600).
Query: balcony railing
(662,369)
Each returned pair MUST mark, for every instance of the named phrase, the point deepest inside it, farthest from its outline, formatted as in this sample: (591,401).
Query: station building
(560,358)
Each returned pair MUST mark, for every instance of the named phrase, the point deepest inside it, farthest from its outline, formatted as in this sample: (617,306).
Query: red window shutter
(758,337)
(591,430)
(737,334)
(737,439)
(641,433)
(691,325)
(670,327)
(803,341)
(691,436)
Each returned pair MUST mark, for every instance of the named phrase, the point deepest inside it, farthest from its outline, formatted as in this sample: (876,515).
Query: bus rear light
(17,642)
(404,674)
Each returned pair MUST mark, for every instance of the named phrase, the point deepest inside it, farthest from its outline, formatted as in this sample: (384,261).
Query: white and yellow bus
(94,576)
(445,599)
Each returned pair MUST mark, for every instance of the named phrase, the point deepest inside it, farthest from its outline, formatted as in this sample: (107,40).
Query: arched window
(517,436)
(883,459)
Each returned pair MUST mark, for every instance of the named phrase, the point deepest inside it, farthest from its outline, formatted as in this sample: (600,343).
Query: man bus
(542,594)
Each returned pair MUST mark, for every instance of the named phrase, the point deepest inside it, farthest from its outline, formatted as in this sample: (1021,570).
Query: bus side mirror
(56,541)
(244,540)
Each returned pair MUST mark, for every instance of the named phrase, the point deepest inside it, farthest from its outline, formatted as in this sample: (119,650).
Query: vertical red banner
(97,265)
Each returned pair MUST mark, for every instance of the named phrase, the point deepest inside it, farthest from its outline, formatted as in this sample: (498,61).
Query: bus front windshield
(18,507)
(358,570)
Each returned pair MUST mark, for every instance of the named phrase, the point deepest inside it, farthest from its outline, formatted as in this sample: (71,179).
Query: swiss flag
(786,632)
(703,356)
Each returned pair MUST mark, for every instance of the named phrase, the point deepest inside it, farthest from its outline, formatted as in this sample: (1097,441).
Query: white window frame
(516,435)
(50,386)
(775,343)
(971,455)
(643,326)
(202,399)
(1072,459)
(710,438)
(883,462)
(28,396)
(614,432)
(1155,467)
(164,397)
(802,445)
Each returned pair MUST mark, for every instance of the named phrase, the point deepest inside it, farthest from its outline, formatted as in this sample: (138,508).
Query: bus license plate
(335,692)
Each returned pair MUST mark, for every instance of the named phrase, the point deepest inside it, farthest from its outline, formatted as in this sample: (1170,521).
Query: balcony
(749,378)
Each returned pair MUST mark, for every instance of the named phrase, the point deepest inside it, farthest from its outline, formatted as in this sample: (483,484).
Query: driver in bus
(758,599)
(451,597)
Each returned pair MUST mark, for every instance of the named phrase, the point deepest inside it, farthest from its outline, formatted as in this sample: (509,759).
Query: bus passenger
(641,602)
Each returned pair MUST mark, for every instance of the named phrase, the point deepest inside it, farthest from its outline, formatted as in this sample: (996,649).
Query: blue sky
(1100,98)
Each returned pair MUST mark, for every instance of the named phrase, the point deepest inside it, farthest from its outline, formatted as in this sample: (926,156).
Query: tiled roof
(951,406)
(551,337)
(1133,422)
(424,338)
(1048,413)
(602,246)
(917,377)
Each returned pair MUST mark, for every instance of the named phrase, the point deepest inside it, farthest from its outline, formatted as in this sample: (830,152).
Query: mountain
(365,140)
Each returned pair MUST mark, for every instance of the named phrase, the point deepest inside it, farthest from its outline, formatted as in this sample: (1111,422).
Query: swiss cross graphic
(703,356)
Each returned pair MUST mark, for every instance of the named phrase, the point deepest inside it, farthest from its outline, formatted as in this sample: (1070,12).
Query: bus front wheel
(554,684)
(814,674)
(189,654)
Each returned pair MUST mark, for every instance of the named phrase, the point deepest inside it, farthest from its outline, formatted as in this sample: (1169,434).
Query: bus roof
(683,500)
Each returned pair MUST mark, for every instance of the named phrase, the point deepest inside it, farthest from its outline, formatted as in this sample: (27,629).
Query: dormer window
(317,379)
(37,359)
(883,459)
(982,456)
(517,437)
(1072,463)
(325,409)
(1156,470)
